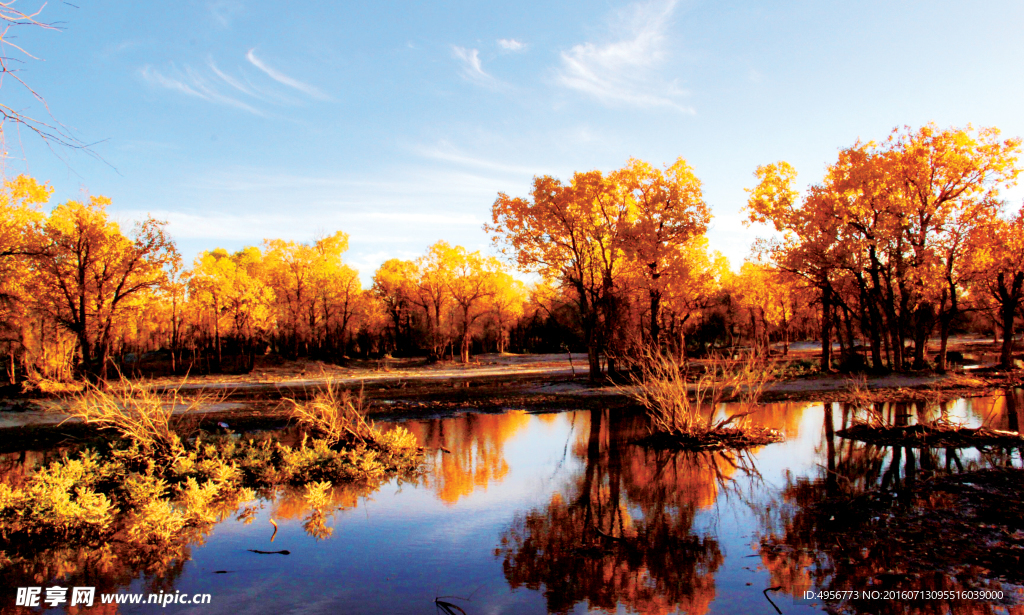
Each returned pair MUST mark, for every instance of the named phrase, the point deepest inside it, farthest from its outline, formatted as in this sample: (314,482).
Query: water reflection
(466,453)
(836,529)
(568,507)
(109,567)
(623,531)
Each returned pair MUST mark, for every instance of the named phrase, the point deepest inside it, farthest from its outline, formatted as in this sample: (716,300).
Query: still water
(548,513)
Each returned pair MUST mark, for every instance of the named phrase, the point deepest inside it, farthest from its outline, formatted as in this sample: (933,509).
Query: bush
(334,415)
(683,402)
(136,413)
(153,487)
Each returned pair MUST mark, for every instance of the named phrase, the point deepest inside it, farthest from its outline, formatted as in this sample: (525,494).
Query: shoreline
(439,393)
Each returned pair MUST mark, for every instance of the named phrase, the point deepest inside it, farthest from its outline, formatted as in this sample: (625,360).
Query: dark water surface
(561,513)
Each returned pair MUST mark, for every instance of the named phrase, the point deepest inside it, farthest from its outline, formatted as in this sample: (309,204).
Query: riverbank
(407,389)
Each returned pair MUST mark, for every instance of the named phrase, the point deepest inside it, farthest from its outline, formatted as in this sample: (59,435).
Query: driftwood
(929,435)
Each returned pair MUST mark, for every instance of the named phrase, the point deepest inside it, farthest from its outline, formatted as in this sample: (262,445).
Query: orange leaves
(19,221)
(905,199)
(566,231)
(603,237)
(453,292)
(891,222)
(315,291)
(774,197)
(233,288)
(88,271)
(664,210)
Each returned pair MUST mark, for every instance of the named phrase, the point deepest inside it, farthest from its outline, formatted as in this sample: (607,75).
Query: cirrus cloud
(626,70)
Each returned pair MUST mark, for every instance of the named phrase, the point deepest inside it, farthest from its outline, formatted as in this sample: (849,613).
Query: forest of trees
(901,240)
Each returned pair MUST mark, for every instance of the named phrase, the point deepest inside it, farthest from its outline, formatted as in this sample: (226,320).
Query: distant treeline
(899,241)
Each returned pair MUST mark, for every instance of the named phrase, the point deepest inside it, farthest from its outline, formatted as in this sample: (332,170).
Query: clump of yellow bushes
(150,484)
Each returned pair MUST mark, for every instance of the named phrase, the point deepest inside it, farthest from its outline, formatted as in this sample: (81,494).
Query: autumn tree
(572,233)
(393,284)
(997,263)
(339,301)
(507,305)
(335,293)
(300,275)
(472,281)
(810,245)
(431,292)
(949,182)
(770,297)
(20,218)
(88,271)
(695,276)
(666,210)
(176,289)
(237,299)
(882,237)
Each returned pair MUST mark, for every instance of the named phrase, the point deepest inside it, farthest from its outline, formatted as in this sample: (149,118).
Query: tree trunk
(924,317)
(1009,298)
(1012,416)
(826,329)
(940,363)
(594,360)
(464,347)
(655,296)
(216,330)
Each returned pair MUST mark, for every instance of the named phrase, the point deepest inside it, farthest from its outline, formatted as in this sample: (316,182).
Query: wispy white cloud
(282,78)
(233,82)
(188,82)
(238,90)
(444,151)
(511,44)
(472,68)
(625,71)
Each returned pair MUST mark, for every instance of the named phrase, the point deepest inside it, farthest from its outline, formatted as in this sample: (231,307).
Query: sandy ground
(313,373)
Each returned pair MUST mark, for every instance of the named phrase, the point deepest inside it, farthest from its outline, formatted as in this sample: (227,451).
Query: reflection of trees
(622,530)
(109,567)
(784,416)
(863,523)
(476,445)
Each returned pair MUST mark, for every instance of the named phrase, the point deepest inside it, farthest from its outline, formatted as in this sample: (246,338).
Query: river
(542,513)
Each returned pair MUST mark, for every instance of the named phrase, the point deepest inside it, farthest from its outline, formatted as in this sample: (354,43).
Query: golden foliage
(885,235)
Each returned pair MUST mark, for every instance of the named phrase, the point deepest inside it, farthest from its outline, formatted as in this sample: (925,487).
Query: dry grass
(867,410)
(136,413)
(335,415)
(53,387)
(685,402)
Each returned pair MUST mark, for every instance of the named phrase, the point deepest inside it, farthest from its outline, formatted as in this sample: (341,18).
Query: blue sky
(399,122)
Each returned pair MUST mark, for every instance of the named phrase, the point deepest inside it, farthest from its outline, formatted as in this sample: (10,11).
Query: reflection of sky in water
(399,548)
